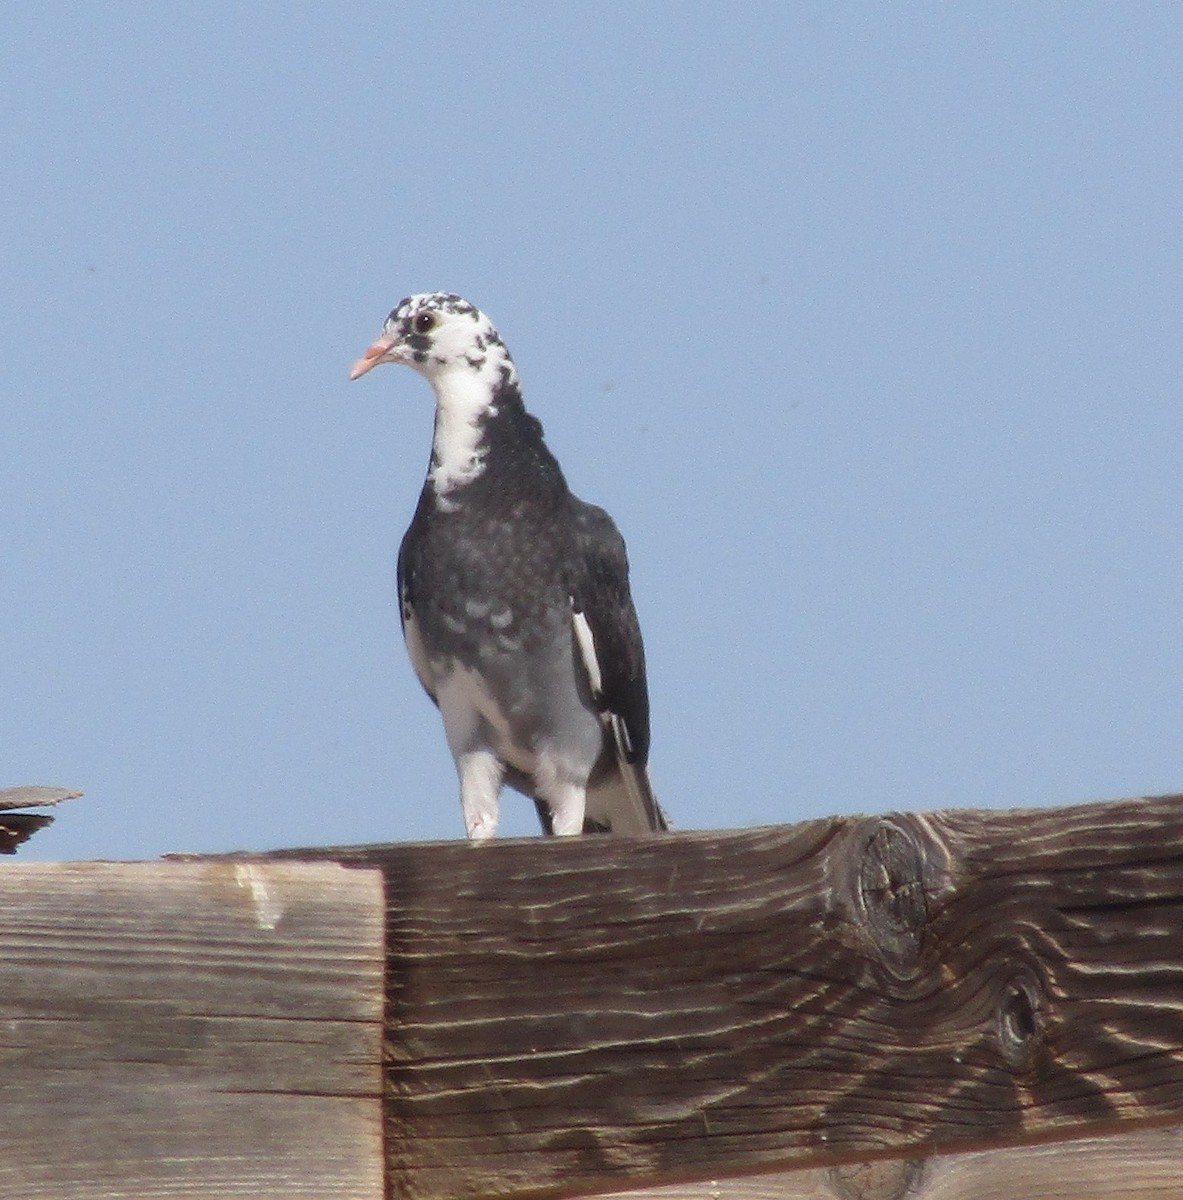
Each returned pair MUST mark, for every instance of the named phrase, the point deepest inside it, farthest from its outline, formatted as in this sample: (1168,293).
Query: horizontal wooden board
(35,796)
(587,1014)
(190,1030)
(17,827)
(1146,1165)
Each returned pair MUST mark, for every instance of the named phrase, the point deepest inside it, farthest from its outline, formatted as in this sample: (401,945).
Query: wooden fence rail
(937,1006)
(17,825)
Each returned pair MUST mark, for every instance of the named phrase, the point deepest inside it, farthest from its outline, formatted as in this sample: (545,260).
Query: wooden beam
(1146,1165)
(190,1030)
(17,827)
(593,1013)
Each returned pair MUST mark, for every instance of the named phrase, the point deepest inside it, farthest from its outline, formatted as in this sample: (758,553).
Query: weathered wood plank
(587,1014)
(1146,1165)
(190,1030)
(17,827)
(35,796)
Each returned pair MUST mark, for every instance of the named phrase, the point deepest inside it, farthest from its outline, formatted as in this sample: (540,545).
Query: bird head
(436,333)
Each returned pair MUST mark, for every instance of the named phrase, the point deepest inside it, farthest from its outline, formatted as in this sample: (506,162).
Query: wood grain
(593,1013)
(190,1030)
(1146,1165)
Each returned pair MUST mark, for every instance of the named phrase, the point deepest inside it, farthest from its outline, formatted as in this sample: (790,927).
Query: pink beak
(373,355)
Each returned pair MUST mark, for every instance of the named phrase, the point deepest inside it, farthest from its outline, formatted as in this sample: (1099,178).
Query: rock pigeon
(514,595)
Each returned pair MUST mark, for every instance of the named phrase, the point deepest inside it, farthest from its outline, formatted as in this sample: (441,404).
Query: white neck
(463,398)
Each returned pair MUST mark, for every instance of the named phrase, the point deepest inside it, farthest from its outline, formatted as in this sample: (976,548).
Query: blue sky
(862,320)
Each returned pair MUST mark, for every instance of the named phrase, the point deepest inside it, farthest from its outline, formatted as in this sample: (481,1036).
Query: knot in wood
(886,1179)
(891,894)
(1019,1025)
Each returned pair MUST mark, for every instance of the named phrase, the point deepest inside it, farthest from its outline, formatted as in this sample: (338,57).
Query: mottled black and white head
(437,333)
(455,347)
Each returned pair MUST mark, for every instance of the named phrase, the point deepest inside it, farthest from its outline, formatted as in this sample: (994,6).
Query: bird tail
(621,799)
(619,796)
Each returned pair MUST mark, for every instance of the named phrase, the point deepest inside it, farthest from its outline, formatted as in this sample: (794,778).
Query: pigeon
(514,596)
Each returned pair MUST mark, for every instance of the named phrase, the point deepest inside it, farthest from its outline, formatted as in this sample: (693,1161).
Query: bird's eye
(425,322)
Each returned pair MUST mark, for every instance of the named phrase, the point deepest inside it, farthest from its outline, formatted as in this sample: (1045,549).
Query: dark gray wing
(405,582)
(608,637)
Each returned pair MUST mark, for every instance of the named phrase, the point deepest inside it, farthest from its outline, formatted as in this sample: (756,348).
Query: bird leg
(481,772)
(567,804)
